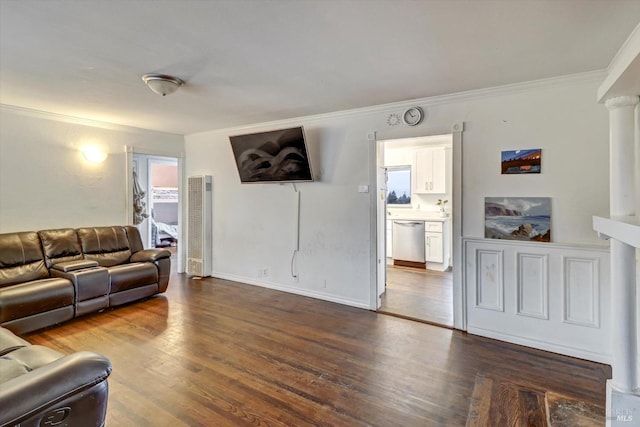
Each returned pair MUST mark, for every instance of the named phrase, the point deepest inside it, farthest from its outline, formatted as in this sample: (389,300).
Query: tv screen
(274,156)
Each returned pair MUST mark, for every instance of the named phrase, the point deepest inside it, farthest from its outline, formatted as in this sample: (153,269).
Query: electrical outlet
(265,272)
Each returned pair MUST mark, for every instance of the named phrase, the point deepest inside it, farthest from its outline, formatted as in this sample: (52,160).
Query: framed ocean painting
(518,218)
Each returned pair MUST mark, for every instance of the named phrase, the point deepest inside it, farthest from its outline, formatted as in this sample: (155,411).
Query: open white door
(381,222)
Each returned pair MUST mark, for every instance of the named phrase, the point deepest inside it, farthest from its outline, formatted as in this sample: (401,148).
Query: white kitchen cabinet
(436,245)
(430,171)
(433,246)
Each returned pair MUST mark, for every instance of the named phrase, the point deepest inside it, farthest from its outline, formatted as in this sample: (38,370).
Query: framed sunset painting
(521,161)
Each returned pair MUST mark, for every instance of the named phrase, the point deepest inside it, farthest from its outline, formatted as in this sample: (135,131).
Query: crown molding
(625,49)
(46,115)
(514,88)
(621,78)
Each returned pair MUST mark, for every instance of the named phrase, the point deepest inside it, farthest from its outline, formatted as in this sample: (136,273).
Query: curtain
(139,206)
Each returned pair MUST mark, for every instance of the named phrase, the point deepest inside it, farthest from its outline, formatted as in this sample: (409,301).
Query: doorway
(159,220)
(418,208)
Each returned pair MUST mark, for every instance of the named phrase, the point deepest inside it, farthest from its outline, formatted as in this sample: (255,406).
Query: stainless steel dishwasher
(408,240)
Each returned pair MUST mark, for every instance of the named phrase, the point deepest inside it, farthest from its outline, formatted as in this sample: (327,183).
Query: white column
(623,274)
(637,132)
(621,156)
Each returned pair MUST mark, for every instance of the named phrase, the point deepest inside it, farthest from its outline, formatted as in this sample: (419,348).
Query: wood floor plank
(567,412)
(480,402)
(424,295)
(532,409)
(212,352)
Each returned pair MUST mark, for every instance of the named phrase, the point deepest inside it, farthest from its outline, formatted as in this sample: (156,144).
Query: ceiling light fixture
(162,84)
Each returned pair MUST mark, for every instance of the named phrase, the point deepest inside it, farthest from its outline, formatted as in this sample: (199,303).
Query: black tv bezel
(261,138)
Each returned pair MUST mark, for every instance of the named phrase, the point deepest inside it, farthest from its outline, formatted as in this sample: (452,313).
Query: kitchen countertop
(415,215)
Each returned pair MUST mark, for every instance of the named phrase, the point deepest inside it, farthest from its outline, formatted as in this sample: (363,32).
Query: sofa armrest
(150,255)
(74,265)
(41,389)
(162,260)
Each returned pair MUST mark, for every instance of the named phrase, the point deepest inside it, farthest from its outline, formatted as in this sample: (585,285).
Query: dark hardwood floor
(217,353)
(419,294)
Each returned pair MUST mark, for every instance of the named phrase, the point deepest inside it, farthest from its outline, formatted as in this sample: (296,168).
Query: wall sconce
(94,154)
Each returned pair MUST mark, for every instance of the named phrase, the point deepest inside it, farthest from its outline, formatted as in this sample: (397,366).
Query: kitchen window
(399,186)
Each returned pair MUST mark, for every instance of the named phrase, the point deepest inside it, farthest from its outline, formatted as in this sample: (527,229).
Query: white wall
(45,181)
(254,224)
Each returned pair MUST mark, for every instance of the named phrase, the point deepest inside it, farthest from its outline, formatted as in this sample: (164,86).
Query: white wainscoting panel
(581,291)
(489,283)
(533,285)
(544,295)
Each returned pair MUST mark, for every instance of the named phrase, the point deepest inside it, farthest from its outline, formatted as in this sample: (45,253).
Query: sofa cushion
(10,369)
(29,298)
(26,359)
(108,246)
(60,246)
(21,258)
(10,341)
(135,241)
(133,275)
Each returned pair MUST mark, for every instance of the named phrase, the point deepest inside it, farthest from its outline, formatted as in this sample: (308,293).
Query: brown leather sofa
(51,276)
(41,387)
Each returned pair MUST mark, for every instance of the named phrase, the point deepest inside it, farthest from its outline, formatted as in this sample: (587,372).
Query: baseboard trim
(413,264)
(541,345)
(291,290)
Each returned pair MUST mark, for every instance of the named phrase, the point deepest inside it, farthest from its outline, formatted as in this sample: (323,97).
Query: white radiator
(199,225)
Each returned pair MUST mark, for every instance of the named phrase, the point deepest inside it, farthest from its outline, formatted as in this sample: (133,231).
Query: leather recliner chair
(41,387)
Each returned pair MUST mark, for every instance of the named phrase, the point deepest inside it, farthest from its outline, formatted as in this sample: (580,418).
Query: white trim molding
(289,289)
(63,118)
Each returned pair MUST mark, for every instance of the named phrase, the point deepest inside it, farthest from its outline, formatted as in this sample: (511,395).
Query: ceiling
(253,61)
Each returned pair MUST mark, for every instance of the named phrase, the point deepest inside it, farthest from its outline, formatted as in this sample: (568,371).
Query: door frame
(378,245)
(179,156)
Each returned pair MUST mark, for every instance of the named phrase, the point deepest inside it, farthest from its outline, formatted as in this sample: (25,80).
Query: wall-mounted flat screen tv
(274,156)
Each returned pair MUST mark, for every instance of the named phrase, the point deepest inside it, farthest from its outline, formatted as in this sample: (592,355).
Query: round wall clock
(413,116)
